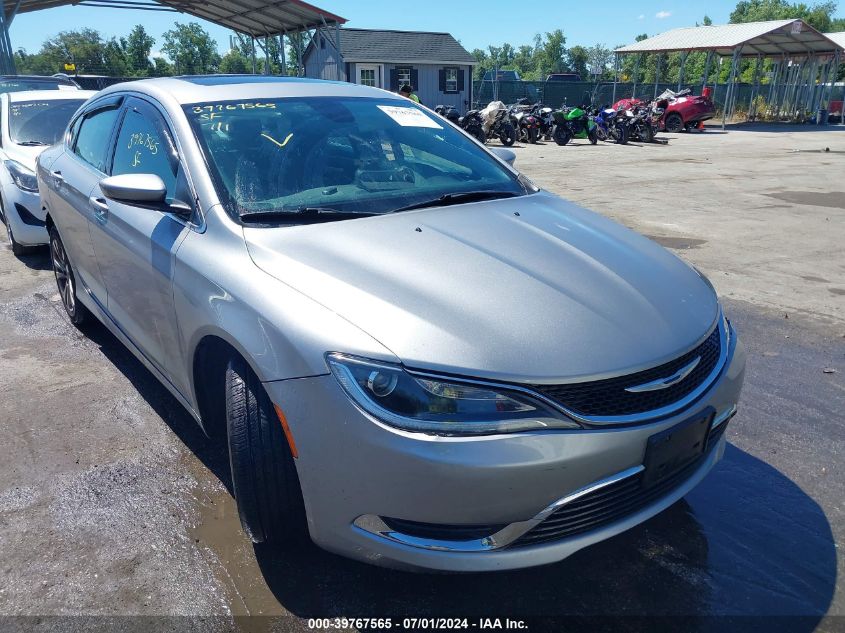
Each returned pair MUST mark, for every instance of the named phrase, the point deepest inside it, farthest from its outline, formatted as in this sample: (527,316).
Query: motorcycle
(640,123)
(473,124)
(573,123)
(497,123)
(450,113)
(610,126)
(527,124)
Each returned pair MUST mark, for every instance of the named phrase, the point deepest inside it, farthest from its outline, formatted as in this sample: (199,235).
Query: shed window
(403,76)
(451,80)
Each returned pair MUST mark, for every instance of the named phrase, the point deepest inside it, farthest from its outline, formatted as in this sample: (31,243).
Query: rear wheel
(601,133)
(561,135)
(674,123)
(646,133)
(264,475)
(65,280)
(593,136)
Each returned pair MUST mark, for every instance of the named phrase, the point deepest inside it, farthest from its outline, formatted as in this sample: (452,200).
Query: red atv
(681,110)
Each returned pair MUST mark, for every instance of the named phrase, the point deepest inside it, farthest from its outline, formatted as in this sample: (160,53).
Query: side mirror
(505,154)
(142,189)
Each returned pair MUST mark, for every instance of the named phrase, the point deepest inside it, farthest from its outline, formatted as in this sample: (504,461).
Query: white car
(30,121)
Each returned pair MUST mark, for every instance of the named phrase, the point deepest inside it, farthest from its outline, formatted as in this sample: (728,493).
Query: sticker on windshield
(409,117)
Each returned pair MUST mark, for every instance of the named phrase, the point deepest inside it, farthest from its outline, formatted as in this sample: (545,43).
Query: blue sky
(475,24)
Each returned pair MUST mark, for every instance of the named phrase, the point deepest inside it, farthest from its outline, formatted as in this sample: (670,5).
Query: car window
(348,154)
(92,140)
(144,146)
(40,122)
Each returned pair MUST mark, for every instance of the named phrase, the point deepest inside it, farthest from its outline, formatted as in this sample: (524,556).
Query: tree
(599,57)
(235,62)
(138,48)
(161,67)
(553,52)
(577,60)
(819,16)
(191,49)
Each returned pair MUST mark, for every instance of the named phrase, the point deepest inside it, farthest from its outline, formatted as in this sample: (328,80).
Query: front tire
(594,138)
(66,280)
(507,135)
(17,249)
(647,134)
(533,135)
(674,123)
(264,476)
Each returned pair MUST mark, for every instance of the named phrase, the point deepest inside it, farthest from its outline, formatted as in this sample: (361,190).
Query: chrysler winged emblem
(668,381)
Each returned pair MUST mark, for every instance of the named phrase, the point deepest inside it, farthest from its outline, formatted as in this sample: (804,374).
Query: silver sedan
(417,357)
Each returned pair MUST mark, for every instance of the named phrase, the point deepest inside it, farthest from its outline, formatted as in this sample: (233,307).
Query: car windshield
(40,122)
(20,84)
(341,156)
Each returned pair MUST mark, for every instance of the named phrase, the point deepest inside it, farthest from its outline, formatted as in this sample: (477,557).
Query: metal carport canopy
(769,39)
(252,17)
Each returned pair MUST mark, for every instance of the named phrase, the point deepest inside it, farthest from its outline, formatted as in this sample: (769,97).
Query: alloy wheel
(64,277)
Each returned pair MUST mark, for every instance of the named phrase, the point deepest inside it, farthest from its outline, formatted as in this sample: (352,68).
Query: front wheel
(264,476)
(646,133)
(601,133)
(17,249)
(533,135)
(66,280)
(593,136)
(508,135)
(561,135)
(621,135)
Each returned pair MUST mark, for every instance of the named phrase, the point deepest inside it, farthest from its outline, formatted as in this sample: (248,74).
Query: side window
(145,147)
(92,139)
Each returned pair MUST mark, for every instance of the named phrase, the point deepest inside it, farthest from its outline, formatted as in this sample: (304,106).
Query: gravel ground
(112,502)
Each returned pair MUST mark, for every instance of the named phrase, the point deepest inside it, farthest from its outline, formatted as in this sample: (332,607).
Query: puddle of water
(219,530)
(832,199)
(678,243)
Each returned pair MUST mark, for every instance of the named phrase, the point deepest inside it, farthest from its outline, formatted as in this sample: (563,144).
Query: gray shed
(435,64)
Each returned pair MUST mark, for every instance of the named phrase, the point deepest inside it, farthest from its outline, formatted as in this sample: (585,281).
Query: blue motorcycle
(610,126)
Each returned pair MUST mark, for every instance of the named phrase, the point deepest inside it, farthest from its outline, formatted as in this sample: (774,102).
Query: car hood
(529,289)
(24,154)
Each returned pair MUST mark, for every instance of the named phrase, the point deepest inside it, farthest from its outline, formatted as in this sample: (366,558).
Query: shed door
(370,75)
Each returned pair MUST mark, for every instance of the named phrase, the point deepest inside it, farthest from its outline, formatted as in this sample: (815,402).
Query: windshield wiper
(31,143)
(304,213)
(458,198)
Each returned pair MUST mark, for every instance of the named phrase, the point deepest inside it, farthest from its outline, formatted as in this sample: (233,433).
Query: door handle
(101,208)
(57,176)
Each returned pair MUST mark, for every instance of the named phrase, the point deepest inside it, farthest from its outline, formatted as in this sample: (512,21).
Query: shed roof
(368,45)
(771,38)
(839,38)
(253,17)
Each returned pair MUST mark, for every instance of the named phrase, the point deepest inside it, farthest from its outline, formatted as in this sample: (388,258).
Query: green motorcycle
(573,123)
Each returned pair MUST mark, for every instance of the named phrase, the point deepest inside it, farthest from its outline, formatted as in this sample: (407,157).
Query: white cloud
(662,14)
(641,16)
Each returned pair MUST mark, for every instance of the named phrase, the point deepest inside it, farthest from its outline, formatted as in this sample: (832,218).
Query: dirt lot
(112,503)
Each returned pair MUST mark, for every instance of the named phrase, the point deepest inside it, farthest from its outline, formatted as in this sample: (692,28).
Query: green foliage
(138,48)
(191,49)
(819,16)
(578,59)
(235,62)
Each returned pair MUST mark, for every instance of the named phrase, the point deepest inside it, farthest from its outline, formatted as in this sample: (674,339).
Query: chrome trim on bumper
(375,525)
(723,417)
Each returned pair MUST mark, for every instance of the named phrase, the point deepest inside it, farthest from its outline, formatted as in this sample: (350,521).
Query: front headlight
(439,406)
(22,175)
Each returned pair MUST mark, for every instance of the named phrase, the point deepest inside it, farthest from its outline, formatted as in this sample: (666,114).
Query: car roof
(51,95)
(59,80)
(209,88)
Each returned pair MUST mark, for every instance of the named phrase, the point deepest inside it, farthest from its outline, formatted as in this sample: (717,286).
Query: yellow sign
(70,67)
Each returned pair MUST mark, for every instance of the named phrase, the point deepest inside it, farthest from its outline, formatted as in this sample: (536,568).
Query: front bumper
(23,210)
(352,467)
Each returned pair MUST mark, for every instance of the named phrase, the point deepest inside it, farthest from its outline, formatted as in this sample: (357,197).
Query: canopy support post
(729,93)
(833,72)
(615,75)
(636,76)
(252,51)
(656,75)
(681,69)
(707,62)
(337,48)
(752,104)
(266,55)
(284,55)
